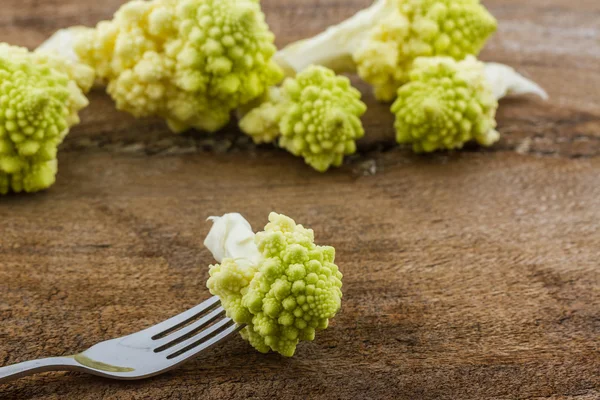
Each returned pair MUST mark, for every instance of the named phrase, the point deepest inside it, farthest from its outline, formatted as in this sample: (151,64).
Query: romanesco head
(322,122)
(316,115)
(421,28)
(288,296)
(190,62)
(445,104)
(38,105)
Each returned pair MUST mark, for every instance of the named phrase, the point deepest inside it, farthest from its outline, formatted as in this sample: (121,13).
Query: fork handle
(27,368)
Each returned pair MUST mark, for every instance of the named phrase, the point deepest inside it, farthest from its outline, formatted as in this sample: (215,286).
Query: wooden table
(472,275)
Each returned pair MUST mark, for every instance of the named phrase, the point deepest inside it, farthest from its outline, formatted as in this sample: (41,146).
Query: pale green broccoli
(287,294)
(446,104)
(381,42)
(38,105)
(190,62)
(315,115)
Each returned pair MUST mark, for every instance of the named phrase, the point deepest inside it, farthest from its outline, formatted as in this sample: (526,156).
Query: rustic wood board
(472,275)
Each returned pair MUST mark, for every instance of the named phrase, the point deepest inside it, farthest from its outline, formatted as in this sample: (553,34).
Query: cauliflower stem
(334,48)
(505,81)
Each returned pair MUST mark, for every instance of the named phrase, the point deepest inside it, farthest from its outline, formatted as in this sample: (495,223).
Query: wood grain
(471,275)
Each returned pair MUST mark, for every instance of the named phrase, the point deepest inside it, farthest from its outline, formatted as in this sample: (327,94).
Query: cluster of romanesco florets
(315,115)
(194,62)
(40,97)
(290,293)
(421,53)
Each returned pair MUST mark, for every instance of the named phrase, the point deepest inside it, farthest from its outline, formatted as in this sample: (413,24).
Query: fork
(143,354)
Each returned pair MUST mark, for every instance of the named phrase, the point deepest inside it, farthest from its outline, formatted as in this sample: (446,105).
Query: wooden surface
(473,275)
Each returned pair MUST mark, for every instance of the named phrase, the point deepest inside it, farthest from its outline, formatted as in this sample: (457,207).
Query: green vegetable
(38,105)
(382,42)
(445,105)
(284,289)
(190,62)
(315,115)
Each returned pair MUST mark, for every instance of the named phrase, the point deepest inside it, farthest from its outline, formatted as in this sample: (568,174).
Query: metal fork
(147,353)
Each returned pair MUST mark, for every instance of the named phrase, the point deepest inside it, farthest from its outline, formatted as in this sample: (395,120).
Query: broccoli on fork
(277,282)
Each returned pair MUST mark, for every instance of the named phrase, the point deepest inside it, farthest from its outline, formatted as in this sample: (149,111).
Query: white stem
(505,81)
(231,236)
(62,43)
(334,47)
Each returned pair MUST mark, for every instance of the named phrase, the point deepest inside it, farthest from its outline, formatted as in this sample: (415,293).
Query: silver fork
(150,352)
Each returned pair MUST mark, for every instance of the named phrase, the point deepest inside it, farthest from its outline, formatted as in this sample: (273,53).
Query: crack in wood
(180,145)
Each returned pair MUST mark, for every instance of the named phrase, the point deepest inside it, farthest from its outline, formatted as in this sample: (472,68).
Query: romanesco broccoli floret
(315,115)
(190,62)
(291,293)
(38,105)
(445,104)
(79,74)
(382,41)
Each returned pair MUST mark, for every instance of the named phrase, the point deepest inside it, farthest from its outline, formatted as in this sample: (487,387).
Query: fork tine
(164,328)
(192,329)
(195,345)
(178,344)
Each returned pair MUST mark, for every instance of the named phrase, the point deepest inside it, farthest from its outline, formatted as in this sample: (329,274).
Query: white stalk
(334,47)
(62,43)
(505,81)
(231,236)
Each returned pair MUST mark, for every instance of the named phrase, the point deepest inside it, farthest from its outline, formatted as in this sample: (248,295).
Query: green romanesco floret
(290,294)
(38,105)
(80,75)
(190,62)
(382,41)
(315,115)
(446,104)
